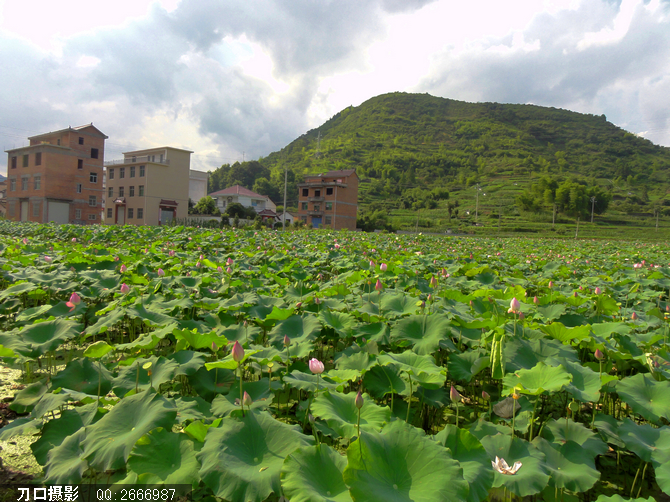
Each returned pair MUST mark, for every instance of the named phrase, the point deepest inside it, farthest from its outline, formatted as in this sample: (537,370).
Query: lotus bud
(379,286)
(423,305)
(536,300)
(75,299)
(514,305)
(522,315)
(229,270)
(219,269)
(551,284)
(287,341)
(486,396)
(171,252)
(454,395)
(237,352)
(123,268)
(317,300)
(74,239)
(359,400)
(25,241)
(372,264)
(48,259)
(124,288)
(633,316)
(383,267)
(516,394)
(246,399)
(599,355)
(598,290)
(229,261)
(430,298)
(160,272)
(316,366)
(574,294)
(198,264)
(433,282)
(298,305)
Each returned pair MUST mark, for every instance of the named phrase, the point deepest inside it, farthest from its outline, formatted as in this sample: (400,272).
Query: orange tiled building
(58,177)
(329,200)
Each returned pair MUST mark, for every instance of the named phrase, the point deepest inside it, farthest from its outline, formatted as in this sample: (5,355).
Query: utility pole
(593,205)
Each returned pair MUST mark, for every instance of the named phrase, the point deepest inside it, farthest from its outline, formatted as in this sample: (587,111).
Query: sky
(235,80)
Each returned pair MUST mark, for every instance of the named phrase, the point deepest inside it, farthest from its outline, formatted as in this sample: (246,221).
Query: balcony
(315,213)
(315,199)
(137,160)
(317,183)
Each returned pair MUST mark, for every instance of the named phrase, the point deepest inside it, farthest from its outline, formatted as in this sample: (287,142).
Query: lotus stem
(635,479)
(239,366)
(99,379)
(409,401)
(644,471)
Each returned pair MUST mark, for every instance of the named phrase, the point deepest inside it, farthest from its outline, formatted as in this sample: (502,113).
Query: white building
(197,185)
(242,196)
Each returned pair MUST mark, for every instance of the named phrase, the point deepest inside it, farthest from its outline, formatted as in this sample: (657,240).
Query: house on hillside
(329,200)
(242,196)
(148,187)
(58,177)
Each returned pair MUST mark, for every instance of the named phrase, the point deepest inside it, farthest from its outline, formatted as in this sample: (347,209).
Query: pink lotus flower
(287,341)
(246,399)
(536,300)
(237,352)
(171,252)
(599,355)
(501,466)
(74,239)
(229,270)
(74,301)
(124,288)
(433,282)
(551,284)
(48,259)
(160,272)
(229,261)
(486,396)
(633,316)
(198,265)
(379,286)
(316,366)
(372,264)
(598,290)
(123,268)
(454,394)
(25,241)
(358,401)
(219,269)
(514,305)
(317,300)
(383,267)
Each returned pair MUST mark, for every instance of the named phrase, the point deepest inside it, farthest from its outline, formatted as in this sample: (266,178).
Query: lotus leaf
(314,474)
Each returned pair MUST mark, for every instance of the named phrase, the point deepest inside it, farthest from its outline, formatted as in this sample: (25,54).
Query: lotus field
(316,366)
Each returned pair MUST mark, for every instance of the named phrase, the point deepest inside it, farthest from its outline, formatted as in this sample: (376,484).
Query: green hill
(416,152)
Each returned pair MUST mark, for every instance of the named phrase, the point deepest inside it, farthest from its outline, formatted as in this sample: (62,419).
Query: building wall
(337,209)
(59,173)
(197,185)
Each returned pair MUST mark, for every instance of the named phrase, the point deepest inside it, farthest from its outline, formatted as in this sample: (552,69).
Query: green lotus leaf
(209,384)
(38,339)
(343,376)
(98,349)
(561,431)
(643,439)
(608,428)
(661,461)
(383,380)
(531,478)
(314,474)
(129,377)
(471,455)
(526,354)
(65,464)
(109,441)
(422,367)
(619,498)
(189,361)
(340,413)
(241,333)
(228,363)
(360,361)
(50,402)
(20,427)
(308,381)
(26,399)
(84,375)
(551,312)
(467,365)
(297,328)
(343,324)
(400,464)
(393,306)
(646,396)
(199,340)
(567,465)
(198,429)
(377,332)
(165,457)
(148,317)
(585,384)
(541,378)
(423,332)
(55,431)
(192,408)
(259,391)
(559,332)
(243,458)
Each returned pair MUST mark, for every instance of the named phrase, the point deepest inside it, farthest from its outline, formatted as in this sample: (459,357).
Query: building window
(254,203)
(141,190)
(92,200)
(58,142)
(131,191)
(304,206)
(25,160)
(140,213)
(161,161)
(329,220)
(24,183)
(132,171)
(329,191)
(93,178)
(11,208)
(122,172)
(78,187)
(329,206)
(130,213)
(13,162)
(92,217)
(317,193)
(134,159)
(81,141)
(94,153)
(12,185)
(110,192)
(36,209)
(80,163)
(121,192)
(38,159)
(111,173)
(109,212)
(141,171)
(77,214)
(37,182)
(317,207)
(305,192)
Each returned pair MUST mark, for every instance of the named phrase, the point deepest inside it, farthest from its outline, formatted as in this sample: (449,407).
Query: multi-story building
(148,187)
(197,185)
(329,200)
(57,177)
(239,194)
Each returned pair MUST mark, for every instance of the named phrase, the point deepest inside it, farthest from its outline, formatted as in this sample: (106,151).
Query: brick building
(148,187)
(57,177)
(329,200)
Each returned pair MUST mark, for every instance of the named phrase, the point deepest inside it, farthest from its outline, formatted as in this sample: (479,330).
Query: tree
(206,205)
(236,210)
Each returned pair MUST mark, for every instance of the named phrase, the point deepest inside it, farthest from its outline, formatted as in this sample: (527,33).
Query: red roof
(237,190)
